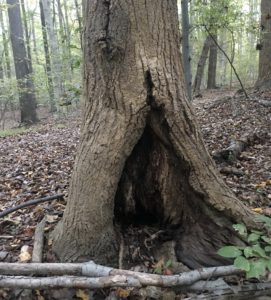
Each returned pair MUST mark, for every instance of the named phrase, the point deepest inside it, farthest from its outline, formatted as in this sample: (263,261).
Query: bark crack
(149,87)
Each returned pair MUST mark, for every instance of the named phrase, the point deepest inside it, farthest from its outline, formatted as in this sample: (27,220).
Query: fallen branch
(90,269)
(38,242)
(236,147)
(229,60)
(29,203)
(218,102)
(231,171)
(245,291)
(67,282)
(265,103)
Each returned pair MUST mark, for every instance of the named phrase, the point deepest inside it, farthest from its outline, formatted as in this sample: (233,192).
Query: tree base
(102,249)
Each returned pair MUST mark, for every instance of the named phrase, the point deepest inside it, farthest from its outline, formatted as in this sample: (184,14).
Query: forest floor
(38,162)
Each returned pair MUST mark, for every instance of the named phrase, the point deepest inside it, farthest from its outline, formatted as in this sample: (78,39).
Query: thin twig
(29,203)
(229,60)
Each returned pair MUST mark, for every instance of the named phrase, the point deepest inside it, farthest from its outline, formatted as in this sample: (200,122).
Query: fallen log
(90,269)
(29,203)
(67,282)
(244,291)
(236,147)
(38,242)
(265,103)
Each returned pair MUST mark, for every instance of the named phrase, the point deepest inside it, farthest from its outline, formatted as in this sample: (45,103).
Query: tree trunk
(264,79)
(5,45)
(185,47)
(27,37)
(141,157)
(79,19)
(25,85)
(65,44)
(47,60)
(211,82)
(54,50)
(201,65)
(1,71)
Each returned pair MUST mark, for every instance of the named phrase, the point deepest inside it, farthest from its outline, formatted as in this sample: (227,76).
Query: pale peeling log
(38,242)
(67,282)
(91,269)
(50,269)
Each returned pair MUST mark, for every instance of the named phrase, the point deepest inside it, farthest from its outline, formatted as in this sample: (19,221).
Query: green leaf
(241,229)
(268,264)
(242,263)
(266,239)
(253,237)
(267,249)
(229,251)
(264,219)
(258,251)
(168,263)
(158,270)
(257,269)
(257,232)
(248,252)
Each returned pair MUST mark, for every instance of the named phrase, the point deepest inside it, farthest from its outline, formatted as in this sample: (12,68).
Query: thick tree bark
(201,65)
(264,79)
(186,48)
(25,85)
(211,82)
(141,157)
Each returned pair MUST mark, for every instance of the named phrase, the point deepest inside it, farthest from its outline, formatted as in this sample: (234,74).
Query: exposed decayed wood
(38,242)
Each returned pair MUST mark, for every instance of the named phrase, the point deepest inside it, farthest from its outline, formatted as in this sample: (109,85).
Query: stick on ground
(38,242)
(29,203)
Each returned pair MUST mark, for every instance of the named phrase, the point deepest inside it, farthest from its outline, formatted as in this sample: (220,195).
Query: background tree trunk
(264,79)
(185,47)
(47,60)
(5,45)
(201,65)
(54,50)
(27,37)
(79,18)
(211,82)
(141,157)
(25,85)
